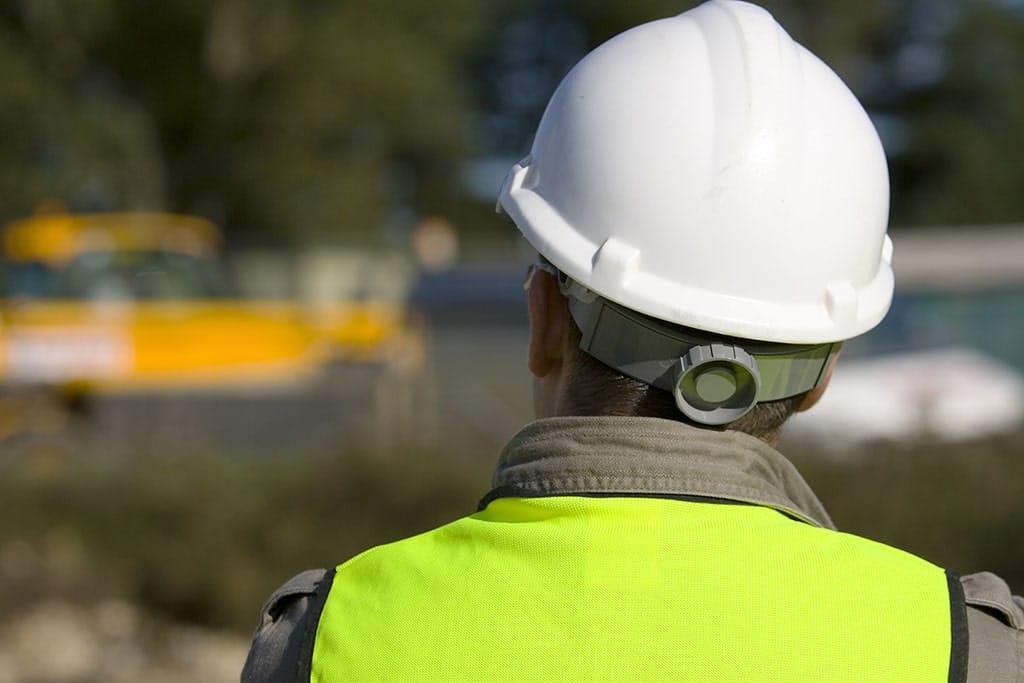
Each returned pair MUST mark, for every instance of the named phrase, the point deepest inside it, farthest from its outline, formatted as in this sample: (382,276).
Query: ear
(815,394)
(548,319)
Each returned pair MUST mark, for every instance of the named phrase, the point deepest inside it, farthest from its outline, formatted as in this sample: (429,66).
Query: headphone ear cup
(716,384)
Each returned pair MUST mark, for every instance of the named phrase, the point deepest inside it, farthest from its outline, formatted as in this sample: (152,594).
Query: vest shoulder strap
(995,618)
(959,634)
(277,651)
(314,611)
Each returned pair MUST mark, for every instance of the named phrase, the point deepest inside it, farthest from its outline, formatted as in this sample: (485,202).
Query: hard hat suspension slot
(714,380)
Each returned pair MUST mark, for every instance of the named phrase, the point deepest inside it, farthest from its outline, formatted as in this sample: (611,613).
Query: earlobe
(547,325)
(537,306)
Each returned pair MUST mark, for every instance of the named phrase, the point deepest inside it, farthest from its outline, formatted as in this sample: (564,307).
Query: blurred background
(259,313)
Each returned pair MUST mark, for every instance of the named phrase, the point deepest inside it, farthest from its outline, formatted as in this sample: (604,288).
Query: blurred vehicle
(948,394)
(138,301)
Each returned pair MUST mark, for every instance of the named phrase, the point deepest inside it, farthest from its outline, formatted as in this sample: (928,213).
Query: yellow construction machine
(136,301)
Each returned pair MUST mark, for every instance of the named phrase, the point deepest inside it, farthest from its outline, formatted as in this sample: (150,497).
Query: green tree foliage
(334,121)
(964,156)
(67,136)
(305,119)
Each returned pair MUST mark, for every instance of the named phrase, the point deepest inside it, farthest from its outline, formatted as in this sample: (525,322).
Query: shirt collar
(651,456)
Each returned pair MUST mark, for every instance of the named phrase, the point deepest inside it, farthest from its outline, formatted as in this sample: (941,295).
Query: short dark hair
(597,389)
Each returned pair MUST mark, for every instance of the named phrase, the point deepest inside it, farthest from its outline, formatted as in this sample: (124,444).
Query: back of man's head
(594,388)
(713,201)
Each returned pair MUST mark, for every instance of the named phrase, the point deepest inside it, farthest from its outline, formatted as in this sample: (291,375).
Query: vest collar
(654,457)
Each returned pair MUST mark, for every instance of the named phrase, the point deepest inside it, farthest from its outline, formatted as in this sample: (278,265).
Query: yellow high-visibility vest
(638,589)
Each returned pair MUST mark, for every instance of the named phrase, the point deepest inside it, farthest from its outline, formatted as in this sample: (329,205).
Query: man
(710,205)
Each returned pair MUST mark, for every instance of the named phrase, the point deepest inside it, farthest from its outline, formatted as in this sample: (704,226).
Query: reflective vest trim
(959,636)
(316,609)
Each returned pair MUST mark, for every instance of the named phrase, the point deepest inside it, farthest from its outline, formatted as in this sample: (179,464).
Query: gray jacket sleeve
(276,650)
(995,623)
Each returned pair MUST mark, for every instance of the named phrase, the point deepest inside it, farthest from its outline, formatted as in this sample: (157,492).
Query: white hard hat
(708,171)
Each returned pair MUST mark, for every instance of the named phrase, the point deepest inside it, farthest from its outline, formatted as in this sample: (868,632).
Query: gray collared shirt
(650,456)
(643,455)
